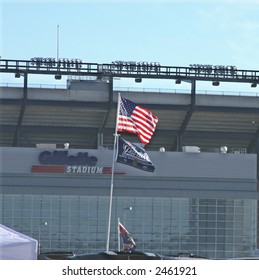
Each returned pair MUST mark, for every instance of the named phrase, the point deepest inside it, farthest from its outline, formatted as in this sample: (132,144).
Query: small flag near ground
(127,241)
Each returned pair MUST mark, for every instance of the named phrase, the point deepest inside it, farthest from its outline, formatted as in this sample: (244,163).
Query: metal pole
(57,43)
(119,243)
(124,214)
(40,231)
(112,176)
(39,243)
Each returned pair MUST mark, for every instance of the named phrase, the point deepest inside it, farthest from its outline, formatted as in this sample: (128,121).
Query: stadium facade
(201,199)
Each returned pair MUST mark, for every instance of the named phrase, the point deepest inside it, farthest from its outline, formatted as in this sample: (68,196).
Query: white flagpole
(119,241)
(112,175)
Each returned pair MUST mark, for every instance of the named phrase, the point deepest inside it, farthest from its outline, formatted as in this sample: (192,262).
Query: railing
(184,91)
(130,69)
(43,86)
(139,89)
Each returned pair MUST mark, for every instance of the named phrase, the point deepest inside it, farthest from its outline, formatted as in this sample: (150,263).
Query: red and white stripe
(142,122)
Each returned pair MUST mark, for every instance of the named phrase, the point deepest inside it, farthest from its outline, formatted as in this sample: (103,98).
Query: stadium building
(56,156)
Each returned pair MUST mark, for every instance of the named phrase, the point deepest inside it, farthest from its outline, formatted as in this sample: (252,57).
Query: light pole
(40,231)
(130,208)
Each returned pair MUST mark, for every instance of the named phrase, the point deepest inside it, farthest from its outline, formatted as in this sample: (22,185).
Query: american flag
(136,119)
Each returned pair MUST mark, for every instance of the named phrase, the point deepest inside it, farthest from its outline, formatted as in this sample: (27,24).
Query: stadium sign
(60,161)
(62,158)
(84,169)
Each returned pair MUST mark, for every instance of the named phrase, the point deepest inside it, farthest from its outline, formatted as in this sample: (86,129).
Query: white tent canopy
(16,246)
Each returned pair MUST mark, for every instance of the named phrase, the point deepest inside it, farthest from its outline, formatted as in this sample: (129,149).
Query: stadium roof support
(22,110)
(178,142)
(99,136)
(257,152)
(253,143)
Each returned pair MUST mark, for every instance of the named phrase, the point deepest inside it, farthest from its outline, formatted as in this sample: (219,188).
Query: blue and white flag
(133,155)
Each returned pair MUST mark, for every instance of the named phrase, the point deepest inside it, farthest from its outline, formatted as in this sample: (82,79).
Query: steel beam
(106,115)
(22,110)
(253,144)
(159,132)
(257,154)
(130,71)
(178,142)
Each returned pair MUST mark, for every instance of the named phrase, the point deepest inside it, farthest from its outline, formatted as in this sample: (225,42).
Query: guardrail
(194,72)
(140,89)
(184,91)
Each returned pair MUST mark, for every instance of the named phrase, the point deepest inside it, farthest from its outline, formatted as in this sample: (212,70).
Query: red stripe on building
(108,170)
(48,169)
(61,169)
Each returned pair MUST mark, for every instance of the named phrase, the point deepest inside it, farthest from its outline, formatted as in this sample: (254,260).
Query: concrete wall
(177,174)
(96,92)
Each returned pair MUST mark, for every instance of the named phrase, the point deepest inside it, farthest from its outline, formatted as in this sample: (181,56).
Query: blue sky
(175,33)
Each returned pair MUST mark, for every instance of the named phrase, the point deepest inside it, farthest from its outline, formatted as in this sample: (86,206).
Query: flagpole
(112,176)
(119,243)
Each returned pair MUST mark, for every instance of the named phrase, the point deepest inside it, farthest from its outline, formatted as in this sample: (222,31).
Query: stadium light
(223,149)
(215,83)
(138,80)
(58,77)
(66,146)
(130,208)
